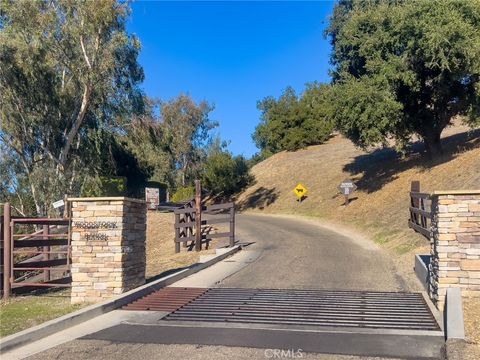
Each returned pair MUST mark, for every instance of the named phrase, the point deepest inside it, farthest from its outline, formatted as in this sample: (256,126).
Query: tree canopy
(224,174)
(68,74)
(404,68)
(292,123)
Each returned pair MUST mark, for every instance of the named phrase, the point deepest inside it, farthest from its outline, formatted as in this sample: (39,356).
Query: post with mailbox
(347,187)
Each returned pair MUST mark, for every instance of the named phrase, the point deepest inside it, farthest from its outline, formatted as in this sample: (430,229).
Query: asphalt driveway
(299,253)
(287,253)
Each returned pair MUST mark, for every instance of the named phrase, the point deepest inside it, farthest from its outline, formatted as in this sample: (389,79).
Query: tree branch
(87,60)
(76,125)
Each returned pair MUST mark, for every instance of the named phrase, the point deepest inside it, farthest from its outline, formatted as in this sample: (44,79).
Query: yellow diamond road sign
(300,190)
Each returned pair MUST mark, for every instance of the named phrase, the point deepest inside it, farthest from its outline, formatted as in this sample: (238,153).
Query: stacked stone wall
(455,247)
(107,247)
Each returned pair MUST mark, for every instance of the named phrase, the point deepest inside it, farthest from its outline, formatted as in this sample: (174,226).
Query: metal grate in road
(358,309)
(166,299)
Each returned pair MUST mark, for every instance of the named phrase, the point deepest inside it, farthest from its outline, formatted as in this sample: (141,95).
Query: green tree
(404,68)
(224,174)
(68,72)
(187,129)
(292,123)
(146,137)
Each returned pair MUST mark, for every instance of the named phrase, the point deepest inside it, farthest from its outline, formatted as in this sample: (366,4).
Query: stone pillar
(455,247)
(107,247)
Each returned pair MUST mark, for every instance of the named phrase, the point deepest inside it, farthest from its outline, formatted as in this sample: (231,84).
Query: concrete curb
(421,269)
(82,315)
(453,313)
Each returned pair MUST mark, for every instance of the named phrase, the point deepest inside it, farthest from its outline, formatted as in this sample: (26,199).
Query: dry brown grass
(161,256)
(471,310)
(379,207)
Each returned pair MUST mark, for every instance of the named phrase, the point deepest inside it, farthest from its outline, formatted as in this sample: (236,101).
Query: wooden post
(198,215)
(46,252)
(415,202)
(7,250)
(346,200)
(177,233)
(232,225)
(188,230)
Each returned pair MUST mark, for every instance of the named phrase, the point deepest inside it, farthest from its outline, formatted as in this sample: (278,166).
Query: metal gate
(36,252)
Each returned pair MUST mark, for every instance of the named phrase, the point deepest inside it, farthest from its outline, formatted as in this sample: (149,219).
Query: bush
(183,194)
(105,186)
(225,174)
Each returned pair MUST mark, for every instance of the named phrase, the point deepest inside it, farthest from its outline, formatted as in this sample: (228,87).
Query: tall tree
(68,71)
(404,68)
(146,137)
(187,129)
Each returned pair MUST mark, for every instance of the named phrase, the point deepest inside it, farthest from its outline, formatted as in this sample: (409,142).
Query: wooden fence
(420,211)
(189,218)
(36,252)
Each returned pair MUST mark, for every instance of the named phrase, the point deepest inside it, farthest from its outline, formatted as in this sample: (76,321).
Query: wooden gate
(420,211)
(36,252)
(189,218)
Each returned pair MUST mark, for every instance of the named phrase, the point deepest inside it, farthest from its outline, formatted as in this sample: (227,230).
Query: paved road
(299,253)
(290,253)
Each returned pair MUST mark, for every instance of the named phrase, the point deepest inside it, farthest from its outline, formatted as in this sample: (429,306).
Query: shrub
(105,186)
(183,194)
(225,174)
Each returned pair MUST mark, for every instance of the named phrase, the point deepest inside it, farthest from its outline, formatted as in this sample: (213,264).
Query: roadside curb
(453,314)
(82,315)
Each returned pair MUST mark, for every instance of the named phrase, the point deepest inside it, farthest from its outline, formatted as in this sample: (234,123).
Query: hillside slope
(379,208)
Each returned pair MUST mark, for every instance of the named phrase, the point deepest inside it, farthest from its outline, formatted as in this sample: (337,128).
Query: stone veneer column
(455,247)
(108,247)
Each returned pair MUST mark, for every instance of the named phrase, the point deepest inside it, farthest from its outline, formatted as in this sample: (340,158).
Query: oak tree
(404,68)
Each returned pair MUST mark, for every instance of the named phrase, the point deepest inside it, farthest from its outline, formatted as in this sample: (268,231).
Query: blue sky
(231,54)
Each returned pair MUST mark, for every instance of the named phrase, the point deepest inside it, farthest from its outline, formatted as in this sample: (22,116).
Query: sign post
(347,187)
(300,191)
(152,197)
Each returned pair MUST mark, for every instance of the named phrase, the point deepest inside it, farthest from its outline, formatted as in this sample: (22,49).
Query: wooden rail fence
(189,218)
(420,211)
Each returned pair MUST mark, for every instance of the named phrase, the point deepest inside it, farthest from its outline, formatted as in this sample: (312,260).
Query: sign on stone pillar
(107,247)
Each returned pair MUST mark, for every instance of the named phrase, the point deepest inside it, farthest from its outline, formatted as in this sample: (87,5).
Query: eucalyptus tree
(404,68)
(187,130)
(68,74)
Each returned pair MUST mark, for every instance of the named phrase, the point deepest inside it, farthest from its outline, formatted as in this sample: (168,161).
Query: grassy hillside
(379,207)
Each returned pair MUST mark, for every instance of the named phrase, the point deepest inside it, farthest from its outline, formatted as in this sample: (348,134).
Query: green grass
(22,312)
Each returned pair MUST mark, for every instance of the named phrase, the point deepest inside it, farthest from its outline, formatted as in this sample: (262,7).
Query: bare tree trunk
(38,207)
